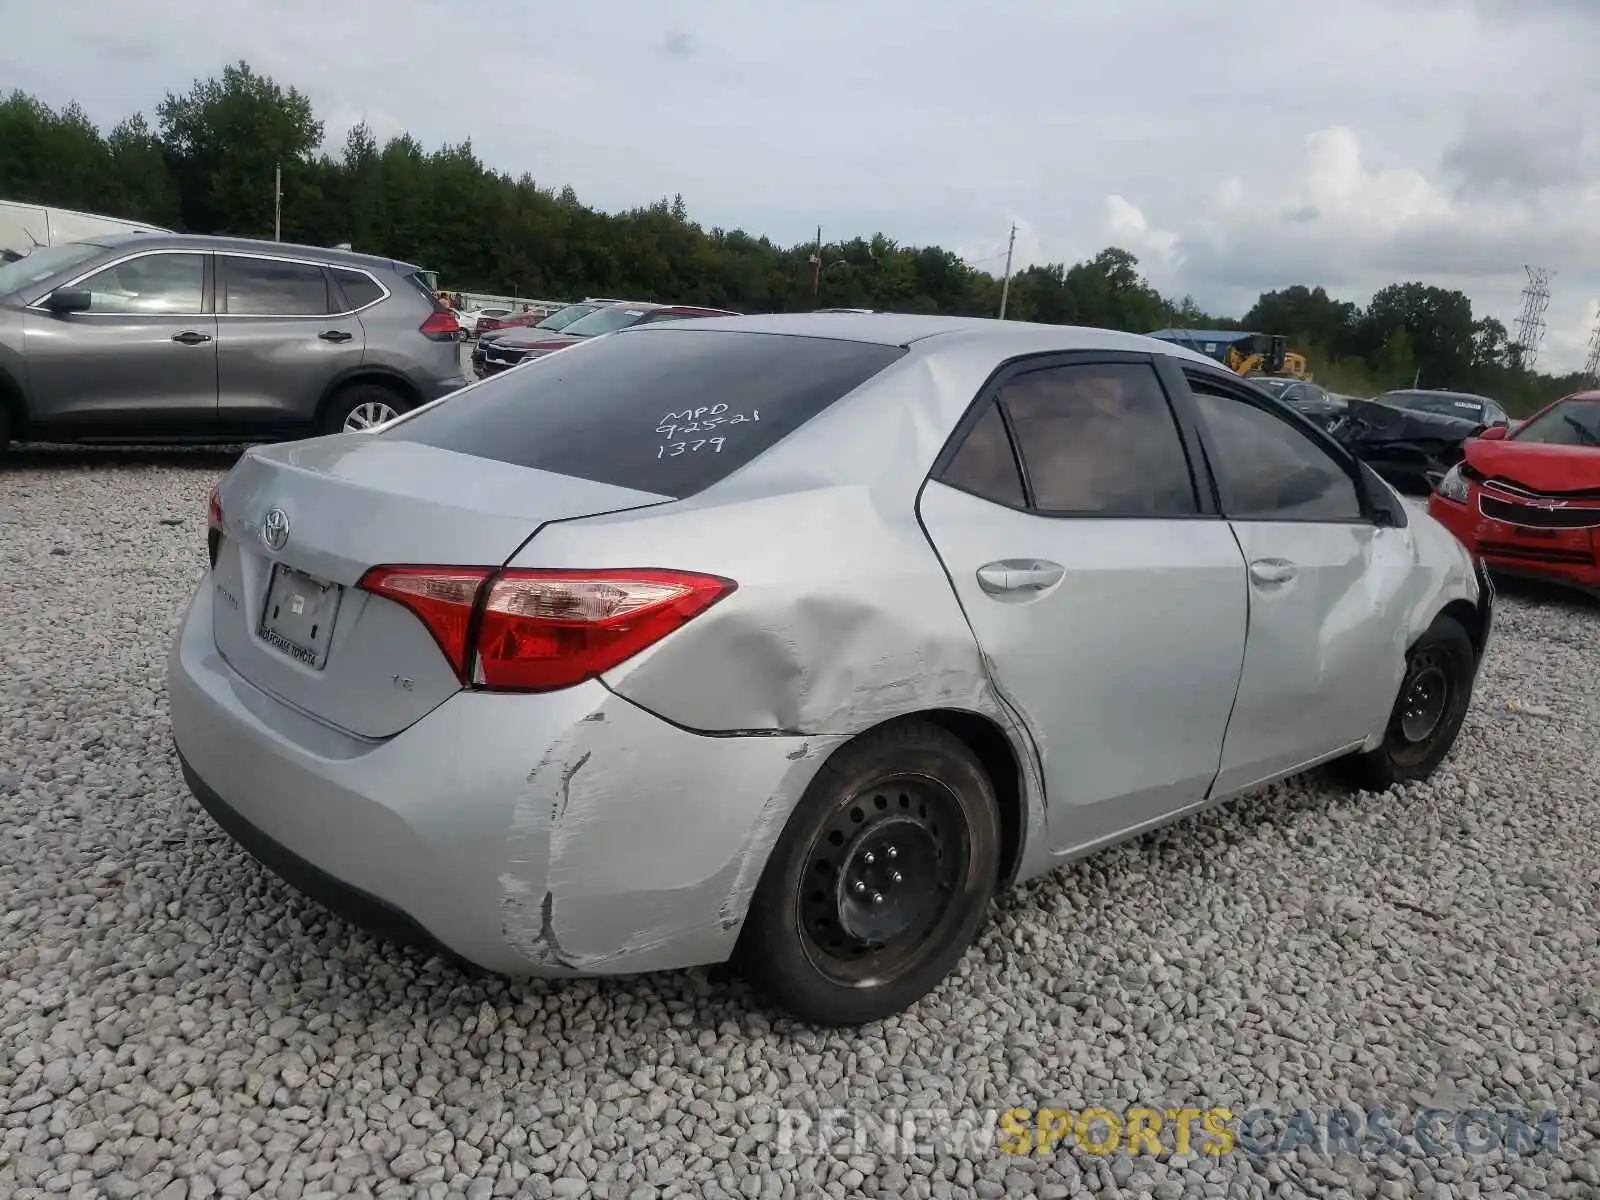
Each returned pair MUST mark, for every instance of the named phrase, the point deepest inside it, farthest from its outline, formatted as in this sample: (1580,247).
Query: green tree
(227,137)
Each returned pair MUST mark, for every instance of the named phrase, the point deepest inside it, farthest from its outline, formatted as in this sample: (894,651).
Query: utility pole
(277,203)
(1005,285)
(816,266)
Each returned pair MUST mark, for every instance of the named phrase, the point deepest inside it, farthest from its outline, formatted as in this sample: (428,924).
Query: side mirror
(68,300)
(1495,433)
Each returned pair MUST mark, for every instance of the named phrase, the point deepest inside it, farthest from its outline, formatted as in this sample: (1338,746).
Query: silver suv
(166,337)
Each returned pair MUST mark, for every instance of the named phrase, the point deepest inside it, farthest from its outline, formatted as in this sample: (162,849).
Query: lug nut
(860,887)
(877,897)
(895,878)
(867,858)
(891,852)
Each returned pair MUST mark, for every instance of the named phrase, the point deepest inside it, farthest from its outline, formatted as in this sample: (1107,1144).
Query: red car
(1527,501)
(521,345)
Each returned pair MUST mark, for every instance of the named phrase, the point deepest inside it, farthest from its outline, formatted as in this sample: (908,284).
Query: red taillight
(539,631)
(443,597)
(441,326)
(214,523)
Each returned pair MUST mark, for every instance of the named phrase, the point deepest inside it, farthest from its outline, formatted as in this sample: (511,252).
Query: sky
(1234,148)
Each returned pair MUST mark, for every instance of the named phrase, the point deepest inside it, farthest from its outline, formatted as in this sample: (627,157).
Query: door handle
(191,337)
(1273,570)
(1019,577)
(335,335)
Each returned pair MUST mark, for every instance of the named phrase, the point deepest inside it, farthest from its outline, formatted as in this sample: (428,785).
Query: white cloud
(1126,225)
(1450,140)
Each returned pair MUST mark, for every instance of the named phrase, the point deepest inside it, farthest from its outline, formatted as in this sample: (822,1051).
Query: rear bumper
(562,834)
(1570,557)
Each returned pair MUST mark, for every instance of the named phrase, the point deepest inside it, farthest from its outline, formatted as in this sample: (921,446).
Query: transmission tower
(1530,325)
(1591,369)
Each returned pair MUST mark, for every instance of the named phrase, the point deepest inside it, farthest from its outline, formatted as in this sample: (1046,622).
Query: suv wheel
(5,430)
(363,406)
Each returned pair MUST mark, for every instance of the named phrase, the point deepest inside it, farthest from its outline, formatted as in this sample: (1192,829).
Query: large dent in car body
(605,875)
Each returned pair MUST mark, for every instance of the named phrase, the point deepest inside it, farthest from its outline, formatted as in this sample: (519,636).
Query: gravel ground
(176,1022)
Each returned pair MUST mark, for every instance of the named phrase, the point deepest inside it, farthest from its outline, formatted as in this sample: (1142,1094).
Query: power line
(1591,369)
(1531,323)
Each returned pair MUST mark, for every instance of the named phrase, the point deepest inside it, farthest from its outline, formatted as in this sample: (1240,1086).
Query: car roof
(905,329)
(222,245)
(1441,393)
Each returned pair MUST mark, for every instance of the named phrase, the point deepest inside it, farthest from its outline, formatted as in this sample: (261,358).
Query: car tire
(360,405)
(1428,711)
(879,881)
(5,431)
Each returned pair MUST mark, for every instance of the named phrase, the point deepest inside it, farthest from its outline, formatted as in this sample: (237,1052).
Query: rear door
(1103,587)
(285,332)
(1322,663)
(144,355)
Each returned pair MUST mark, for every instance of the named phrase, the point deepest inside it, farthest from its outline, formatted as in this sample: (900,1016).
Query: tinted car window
(1268,469)
(1100,439)
(986,465)
(659,409)
(154,284)
(358,289)
(258,287)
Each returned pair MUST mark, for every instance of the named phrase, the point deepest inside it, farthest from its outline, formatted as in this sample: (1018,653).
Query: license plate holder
(298,615)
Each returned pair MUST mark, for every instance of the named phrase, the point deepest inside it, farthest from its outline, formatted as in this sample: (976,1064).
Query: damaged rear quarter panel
(635,845)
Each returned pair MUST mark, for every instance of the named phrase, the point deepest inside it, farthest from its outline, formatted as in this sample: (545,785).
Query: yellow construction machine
(1241,351)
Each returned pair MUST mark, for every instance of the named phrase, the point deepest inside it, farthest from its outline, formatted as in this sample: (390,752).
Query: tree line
(207,166)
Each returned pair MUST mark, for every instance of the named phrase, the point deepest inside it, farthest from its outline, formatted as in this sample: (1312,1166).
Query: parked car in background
(1310,399)
(793,639)
(1479,410)
(1527,501)
(522,345)
(472,319)
(175,338)
(550,322)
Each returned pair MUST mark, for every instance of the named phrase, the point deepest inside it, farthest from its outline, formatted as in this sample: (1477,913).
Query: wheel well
(394,383)
(989,742)
(1470,617)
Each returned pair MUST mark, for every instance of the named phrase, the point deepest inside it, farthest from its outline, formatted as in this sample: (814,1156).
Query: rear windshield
(1468,407)
(659,409)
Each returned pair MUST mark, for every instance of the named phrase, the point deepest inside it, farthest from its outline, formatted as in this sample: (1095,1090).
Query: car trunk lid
(304,522)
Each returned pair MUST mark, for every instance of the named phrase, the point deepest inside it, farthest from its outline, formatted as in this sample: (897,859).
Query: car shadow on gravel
(54,457)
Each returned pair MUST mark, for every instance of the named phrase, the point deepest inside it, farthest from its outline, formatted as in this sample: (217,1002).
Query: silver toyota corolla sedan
(791,639)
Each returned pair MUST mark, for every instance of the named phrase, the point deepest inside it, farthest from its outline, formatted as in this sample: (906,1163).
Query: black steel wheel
(880,879)
(1435,691)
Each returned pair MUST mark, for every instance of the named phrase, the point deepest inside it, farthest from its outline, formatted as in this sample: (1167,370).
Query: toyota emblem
(275,528)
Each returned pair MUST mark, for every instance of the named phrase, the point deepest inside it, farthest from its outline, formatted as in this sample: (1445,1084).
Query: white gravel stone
(176,1022)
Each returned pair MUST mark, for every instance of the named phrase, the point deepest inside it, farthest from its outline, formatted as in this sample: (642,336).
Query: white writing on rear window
(690,430)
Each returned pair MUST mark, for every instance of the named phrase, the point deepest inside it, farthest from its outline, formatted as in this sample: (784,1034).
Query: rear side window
(986,465)
(259,287)
(663,410)
(358,290)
